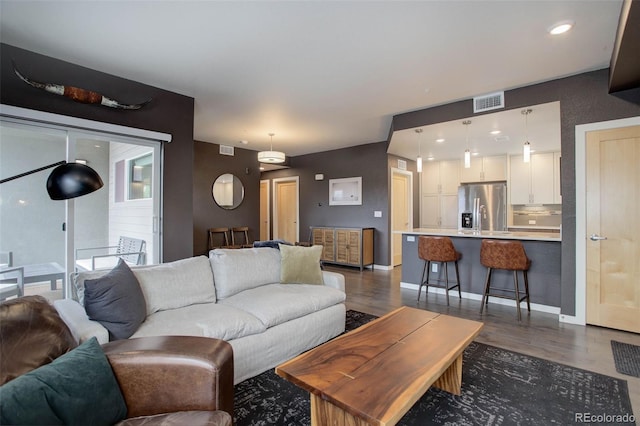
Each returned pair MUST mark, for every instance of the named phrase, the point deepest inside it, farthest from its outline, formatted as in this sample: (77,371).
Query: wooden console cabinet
(345,246)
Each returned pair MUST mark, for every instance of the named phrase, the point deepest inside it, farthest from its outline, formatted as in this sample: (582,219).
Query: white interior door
(285,225)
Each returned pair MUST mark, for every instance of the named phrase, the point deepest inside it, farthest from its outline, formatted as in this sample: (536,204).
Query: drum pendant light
(271,156)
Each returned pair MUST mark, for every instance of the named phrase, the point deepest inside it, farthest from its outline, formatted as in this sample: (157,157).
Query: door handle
(596,237)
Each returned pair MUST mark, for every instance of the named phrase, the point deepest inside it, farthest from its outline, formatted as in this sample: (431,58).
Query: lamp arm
(32,171)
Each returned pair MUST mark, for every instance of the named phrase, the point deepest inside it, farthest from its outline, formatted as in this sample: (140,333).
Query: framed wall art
(345,191)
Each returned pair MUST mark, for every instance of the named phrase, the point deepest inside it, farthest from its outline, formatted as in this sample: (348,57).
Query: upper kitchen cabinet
(439,201)
(535,182)
(441,177)
(485,169)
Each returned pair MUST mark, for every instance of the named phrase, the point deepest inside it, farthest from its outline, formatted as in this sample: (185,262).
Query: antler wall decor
(77,94)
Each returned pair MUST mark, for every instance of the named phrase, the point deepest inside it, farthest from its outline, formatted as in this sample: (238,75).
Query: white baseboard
(383,267)
(570,319)
(474,296)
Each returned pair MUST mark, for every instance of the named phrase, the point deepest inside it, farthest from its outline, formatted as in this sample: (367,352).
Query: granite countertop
(502,235)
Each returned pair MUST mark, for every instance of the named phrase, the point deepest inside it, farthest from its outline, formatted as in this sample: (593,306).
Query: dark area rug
(499,387)
(627,358)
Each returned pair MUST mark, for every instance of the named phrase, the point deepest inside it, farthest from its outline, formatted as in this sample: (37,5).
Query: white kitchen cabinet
(449,211)
(430,211)
(557,192)
(439,211)
(439,201)
(533,182)
(430,177)
(485,169)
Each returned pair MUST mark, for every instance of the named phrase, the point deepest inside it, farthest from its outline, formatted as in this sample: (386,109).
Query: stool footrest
(502,296)
(440,283)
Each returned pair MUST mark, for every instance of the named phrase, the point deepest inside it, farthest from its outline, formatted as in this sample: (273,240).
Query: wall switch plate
(411,239)
(434,267)
(377,213)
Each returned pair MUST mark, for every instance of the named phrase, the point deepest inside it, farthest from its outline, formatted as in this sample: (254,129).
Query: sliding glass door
(127,207)
(31,224)
(37,230)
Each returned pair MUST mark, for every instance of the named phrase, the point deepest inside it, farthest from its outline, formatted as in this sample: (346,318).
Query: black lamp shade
(72,180)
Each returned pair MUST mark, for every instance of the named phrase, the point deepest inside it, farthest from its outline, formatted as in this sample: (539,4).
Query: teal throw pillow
(78,388)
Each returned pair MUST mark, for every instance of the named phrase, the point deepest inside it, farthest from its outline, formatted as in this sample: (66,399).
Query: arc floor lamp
(67,180)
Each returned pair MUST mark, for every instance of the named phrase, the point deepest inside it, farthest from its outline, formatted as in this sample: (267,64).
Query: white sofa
(234,295)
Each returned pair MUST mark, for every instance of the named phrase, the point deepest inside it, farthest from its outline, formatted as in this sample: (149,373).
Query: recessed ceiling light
(561,27)
(430,158)
(243,142)
(495,132)
(475,153)
(440,140)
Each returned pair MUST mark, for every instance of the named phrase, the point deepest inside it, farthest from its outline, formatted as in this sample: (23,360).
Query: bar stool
(508,255)
(438,249)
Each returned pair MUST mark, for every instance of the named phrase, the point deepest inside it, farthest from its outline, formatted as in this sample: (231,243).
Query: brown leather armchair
(174,374)
(172,380)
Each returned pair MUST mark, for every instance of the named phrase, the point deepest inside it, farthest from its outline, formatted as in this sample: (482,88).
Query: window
(140,177)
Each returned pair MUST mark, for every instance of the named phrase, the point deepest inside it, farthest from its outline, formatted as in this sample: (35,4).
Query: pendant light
(467,152)
(271,156)
(526,148)
(419,159)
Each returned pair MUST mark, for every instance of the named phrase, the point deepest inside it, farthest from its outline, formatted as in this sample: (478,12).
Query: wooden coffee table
(374,374)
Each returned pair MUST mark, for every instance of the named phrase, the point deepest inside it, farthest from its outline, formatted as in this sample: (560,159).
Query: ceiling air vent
(226,150)
(488,102)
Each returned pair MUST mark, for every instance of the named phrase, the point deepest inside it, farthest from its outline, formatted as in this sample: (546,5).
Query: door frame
(268,206)
(409,175)
(276,181)
(580,316)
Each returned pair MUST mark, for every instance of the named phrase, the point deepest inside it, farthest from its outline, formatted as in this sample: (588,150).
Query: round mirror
(228,191)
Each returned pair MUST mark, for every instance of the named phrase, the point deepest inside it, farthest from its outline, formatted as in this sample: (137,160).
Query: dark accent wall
(167,113)
(584,99)
(208,164)
(370,162)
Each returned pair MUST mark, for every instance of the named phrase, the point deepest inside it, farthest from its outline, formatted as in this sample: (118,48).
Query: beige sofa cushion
(236,270)
(275,304)
(176,284)
(205,319)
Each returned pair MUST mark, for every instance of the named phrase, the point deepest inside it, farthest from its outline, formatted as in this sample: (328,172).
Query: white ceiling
(541,129)
(320,75)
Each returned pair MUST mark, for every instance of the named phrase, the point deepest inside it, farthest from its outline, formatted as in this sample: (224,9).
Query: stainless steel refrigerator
(482,206)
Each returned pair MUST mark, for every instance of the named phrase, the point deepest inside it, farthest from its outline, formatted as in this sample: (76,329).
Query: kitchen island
(543,248)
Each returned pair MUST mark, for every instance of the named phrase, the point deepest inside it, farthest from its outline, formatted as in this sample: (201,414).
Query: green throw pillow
(300,265)
(78,388)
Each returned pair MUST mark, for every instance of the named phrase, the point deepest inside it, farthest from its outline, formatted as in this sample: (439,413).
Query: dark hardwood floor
(538,334)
